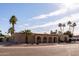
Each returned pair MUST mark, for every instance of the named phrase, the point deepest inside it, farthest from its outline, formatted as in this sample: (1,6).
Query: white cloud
(24,25)
(61,10)
(40,17)
(58,12)
(73,17)
(64,8)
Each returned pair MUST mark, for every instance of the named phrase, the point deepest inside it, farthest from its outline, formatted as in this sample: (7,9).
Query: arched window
(45,40)
(38,39)
(50,40)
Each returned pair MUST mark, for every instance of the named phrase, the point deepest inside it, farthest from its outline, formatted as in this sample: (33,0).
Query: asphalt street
(39,50)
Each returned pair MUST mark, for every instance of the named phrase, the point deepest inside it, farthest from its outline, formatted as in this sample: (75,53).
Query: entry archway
(45,40)
(38,39)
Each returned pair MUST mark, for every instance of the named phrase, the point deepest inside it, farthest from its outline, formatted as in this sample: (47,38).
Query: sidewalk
(30,45)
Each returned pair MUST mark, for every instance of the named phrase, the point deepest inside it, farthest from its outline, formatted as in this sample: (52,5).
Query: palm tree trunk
(13,32)
(73,31)
(69,28)
(61,29)
(13,28)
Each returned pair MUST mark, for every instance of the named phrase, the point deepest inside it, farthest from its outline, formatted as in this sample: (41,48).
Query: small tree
(68,33)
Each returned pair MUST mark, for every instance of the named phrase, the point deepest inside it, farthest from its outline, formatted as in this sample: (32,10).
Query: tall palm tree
(11,30)
(63,25)
(60,25)
(69,23)
(13,21)
(73,26)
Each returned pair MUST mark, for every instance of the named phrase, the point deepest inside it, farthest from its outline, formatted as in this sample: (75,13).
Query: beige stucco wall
(21,38)
(47,36)
(31,38)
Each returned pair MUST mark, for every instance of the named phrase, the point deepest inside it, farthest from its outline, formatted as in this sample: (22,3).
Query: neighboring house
(40,38)
(74,38)
(4,39)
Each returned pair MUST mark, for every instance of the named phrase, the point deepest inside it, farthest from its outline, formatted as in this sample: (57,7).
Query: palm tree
(73,26)
(11,30)
(69,23)
(60,25)
(63,25)
(13,21)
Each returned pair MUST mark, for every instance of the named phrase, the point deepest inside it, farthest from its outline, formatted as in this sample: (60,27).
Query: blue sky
(38,17)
